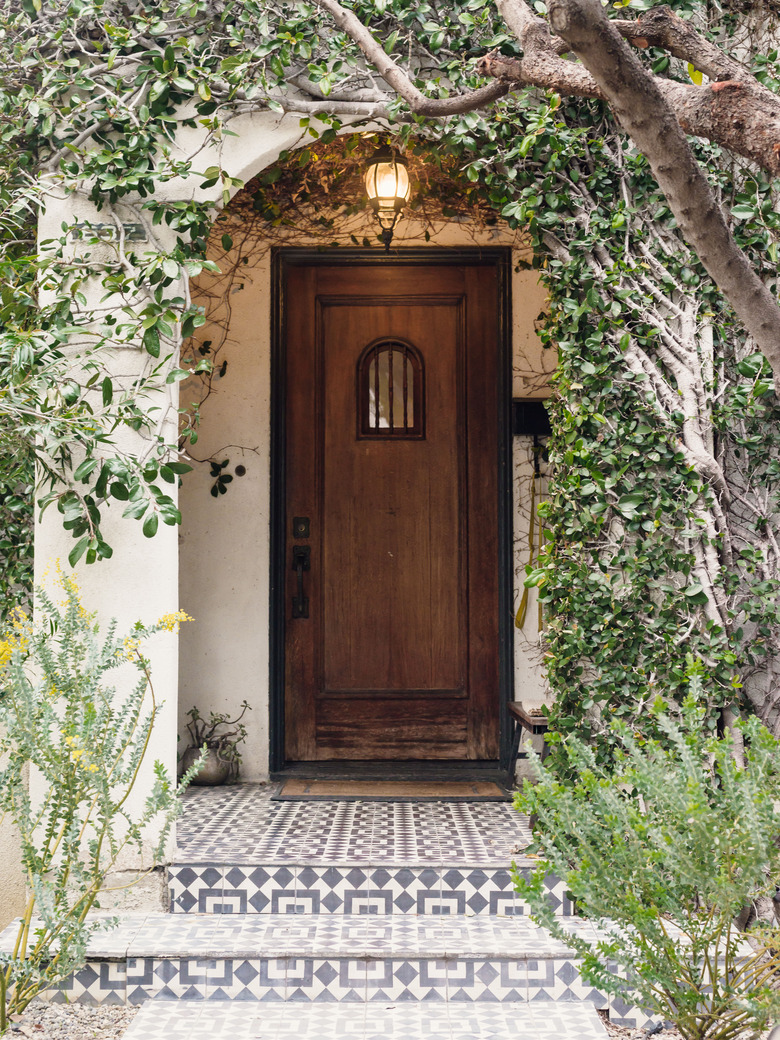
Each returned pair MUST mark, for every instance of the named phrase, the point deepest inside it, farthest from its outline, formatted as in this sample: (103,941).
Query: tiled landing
(241,853)
(165,1020)
(241,824)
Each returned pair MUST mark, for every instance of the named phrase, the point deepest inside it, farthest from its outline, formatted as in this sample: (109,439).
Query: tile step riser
(207,889)
(340,980)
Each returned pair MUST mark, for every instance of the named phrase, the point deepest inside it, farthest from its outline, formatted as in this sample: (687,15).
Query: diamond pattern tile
(99,982)
(559,979)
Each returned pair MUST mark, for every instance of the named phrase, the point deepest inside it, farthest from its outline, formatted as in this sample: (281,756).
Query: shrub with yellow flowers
(61,717)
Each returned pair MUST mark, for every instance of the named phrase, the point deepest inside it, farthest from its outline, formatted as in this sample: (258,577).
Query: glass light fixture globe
(387,186)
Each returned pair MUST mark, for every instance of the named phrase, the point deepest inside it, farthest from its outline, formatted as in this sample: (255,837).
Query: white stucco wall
(140,581)
(12,881)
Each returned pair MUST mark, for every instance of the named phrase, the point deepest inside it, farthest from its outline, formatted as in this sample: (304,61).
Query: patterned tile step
(329,960)
(321,958)
(231,936)
(239,824)
(338,981)
(347,889)
(207,1020)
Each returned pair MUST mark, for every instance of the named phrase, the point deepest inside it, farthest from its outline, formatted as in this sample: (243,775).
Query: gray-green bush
(669,851)
(87,744)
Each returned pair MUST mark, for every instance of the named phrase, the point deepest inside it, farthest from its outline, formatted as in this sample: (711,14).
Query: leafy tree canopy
(662,512)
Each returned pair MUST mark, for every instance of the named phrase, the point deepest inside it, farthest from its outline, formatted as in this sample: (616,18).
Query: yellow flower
(16,640)
(172,622)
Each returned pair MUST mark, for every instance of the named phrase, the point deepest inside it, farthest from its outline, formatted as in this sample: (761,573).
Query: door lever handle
(301,561)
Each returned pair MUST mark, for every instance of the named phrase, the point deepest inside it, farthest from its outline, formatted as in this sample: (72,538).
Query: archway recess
(225,555)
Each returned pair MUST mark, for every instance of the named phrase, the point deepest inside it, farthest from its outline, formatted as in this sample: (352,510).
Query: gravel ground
(79,1022)
(72,1022)
(621,1033)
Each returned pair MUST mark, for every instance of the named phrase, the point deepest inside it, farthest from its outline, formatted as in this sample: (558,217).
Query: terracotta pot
(215,770)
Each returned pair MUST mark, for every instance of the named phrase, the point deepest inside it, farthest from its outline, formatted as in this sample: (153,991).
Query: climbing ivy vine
(661,520)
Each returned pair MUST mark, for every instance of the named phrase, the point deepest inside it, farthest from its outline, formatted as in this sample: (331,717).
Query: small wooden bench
(522,719)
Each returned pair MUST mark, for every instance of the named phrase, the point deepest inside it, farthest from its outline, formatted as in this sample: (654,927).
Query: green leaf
(119,492)
(227,243)
(108,391)
(150,525)
(695,594)
(630,505)
(751,366)
(77,551)
(152,342)
(85,468)
(136,508)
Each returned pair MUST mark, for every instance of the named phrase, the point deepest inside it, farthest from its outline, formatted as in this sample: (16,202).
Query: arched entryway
(238,573)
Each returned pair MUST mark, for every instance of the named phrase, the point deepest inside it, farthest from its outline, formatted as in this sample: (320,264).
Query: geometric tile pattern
(559,980)
(339,978)
(239,824)
(321,889)
(160,1020)
(98,982)
(384,919)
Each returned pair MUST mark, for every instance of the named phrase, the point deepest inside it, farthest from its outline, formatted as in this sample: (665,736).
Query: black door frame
(282,259)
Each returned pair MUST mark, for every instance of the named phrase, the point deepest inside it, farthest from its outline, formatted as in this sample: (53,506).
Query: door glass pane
(390,390)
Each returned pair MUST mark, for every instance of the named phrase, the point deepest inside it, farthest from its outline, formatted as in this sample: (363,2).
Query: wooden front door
(392,603)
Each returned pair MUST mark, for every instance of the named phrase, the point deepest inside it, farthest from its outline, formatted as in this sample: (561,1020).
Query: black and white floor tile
(207,1020)
(240,824)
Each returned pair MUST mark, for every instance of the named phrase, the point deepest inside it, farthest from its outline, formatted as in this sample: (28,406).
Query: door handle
(301,557)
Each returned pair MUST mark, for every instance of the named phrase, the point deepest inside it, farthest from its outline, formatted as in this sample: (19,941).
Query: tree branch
(645,114)
(661,27)
(736,112)
(396,78)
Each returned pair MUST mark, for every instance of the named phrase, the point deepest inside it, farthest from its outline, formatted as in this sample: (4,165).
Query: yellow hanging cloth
(523,608)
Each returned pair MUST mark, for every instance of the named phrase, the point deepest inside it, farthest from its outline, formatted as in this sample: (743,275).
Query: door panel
(398,657)
(391,520)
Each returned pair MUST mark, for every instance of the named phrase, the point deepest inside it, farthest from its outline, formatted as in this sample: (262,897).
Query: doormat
(296,789)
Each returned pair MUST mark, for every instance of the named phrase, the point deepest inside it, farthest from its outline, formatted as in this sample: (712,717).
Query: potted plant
(218,737)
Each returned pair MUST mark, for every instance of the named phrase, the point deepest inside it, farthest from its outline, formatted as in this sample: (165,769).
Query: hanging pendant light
(387,187)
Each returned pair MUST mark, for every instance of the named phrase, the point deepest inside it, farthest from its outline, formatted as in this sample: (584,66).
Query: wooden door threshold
(384,770)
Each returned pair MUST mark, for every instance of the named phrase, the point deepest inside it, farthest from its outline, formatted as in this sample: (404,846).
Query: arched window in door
(390,385)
